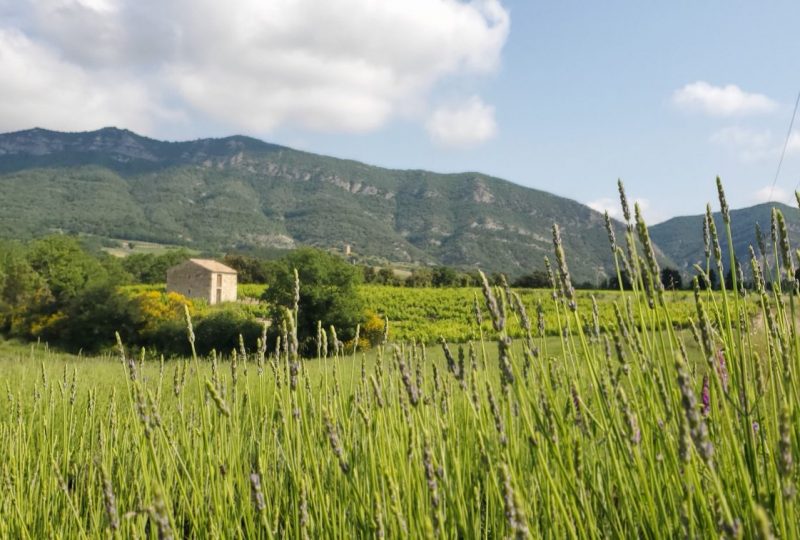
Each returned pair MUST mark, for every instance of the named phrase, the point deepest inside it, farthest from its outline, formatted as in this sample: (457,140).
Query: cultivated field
(640,418)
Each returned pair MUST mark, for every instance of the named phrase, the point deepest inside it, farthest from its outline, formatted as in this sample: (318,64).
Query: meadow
(639,415)
(427,314)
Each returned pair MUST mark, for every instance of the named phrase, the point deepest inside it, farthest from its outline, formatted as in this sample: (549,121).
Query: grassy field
(549,437)
(679,418)
(131,247)
(426,314)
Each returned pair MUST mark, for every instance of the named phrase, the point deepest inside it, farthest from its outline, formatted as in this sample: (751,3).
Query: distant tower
(347,251)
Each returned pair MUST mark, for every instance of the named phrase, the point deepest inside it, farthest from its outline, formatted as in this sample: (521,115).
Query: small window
(219,280)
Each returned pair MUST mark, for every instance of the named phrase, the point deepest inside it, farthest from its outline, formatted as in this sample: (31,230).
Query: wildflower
(697,426)
(411,388)
(336,445)
(109,500)
(722,370)
(610,230)
(762,245)
(785,461)
(256,494)
(563,270)
(786,251)
(723,203)
(498,318)
(433,487)
(712,228)
(626,211)
(515,516)
(498,420)
(222,407)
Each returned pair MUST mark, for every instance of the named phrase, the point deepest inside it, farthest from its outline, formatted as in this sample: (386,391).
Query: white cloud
(40,89)
(751,145)
(462,125)
(337,65)
(793,144)
(778,194)
(729,100)
(739,136)
(747,144)
(612,206)
(606,204)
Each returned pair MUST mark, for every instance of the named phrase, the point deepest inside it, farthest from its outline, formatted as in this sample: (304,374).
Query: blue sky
(560,96)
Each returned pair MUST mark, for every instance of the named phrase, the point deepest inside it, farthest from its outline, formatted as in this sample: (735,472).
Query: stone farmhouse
(203,278)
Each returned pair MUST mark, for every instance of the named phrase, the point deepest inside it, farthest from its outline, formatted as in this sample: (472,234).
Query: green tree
(468,279)
(386,277)
(64,266)
(369,273)
(250,269)
(671,279)
(444,276)
(21,288)
(63,294)
(149,268)
(328,293)
(91,318)
(535,280)
(613,282)
(220,330)
(712,277)
(114,268)
(420,277)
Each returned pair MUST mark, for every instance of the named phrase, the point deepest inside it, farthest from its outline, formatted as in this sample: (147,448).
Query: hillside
(681,238)
(240,193)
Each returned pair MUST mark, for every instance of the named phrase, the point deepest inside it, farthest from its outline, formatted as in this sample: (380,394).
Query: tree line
(59,290)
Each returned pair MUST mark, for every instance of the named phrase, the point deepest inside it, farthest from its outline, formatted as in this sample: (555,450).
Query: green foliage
(240,194)
(252,291)
(328,293)
(381,276)
(609,422)
(537,279)
(671,279)
(22,287)
(426,314)
(221,329)
(420,277)
(444,276)
(65,266)
(114,267)
(89,320)
(56,291)
(149,268)
(250,269)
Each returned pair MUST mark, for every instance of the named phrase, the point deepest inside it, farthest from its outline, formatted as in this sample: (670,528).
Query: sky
(561,96)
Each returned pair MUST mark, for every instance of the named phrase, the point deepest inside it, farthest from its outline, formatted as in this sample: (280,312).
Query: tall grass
(603,431)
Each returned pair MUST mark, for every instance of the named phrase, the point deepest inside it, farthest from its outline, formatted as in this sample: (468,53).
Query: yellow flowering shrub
(157,307)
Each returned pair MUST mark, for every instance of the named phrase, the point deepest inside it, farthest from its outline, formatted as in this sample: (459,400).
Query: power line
(785,145)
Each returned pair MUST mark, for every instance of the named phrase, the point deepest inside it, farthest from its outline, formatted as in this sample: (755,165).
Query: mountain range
(239,193)
(682,237)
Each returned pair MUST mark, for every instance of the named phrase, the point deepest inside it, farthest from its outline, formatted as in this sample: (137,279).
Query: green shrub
(220,330)
(328,294)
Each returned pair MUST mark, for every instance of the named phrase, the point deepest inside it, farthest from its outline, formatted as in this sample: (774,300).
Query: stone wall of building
(194,280)
(191,281)
(224,287)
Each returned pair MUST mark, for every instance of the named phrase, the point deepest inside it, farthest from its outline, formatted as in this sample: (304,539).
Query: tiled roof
(213,266)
